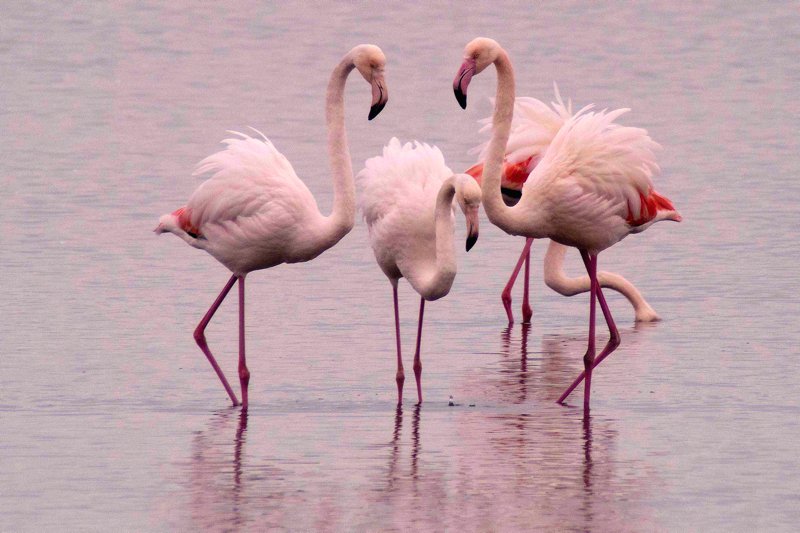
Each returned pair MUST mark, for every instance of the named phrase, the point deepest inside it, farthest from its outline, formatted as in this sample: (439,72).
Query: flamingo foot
(506,298)
(588,363)
(527,313)
(418,376)
(244,381)
(401,378)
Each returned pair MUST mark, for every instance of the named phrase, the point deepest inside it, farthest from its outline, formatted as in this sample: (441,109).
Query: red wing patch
(476,171)
(183,216)
(513,175)
(650,206)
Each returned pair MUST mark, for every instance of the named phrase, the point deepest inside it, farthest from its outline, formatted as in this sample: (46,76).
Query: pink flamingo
(407,200)
(591,189)
(254,212)
(532,130)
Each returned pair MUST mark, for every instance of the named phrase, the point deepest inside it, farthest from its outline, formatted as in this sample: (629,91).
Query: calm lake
(112,419)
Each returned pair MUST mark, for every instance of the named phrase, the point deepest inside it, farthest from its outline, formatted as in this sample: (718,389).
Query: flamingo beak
(380,95)
(461,82)
(472,227)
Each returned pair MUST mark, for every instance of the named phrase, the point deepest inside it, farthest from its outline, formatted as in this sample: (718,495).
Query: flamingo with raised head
(532,130)
(255,213)
(592,188)
(406,196)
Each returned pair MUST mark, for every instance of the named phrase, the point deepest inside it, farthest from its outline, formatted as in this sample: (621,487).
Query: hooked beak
(380,95)
(472,228)
(462,80)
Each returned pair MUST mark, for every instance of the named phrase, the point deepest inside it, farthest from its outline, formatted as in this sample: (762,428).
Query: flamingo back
(596,179)
(606,159)
(397,196)
(246,177)
(250,211)
(533,128)
(406,176)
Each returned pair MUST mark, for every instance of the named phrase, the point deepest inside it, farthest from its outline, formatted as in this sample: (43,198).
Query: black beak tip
(374,110)
(461,97)
(471,240)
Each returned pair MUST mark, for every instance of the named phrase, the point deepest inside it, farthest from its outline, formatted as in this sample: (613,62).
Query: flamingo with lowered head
(532,130)
(255,213)
(592,188)
(406,196)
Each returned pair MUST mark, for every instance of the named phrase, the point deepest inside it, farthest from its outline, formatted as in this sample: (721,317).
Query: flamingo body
(533,128)
(592,187)
(398,199)
(255,213)
(407,200)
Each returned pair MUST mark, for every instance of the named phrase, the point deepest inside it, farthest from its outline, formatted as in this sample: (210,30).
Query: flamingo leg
(200,338)
(417,361)
(527,312)
(506,294)
(400,377)
(244,373)
(588,359)
(614,341)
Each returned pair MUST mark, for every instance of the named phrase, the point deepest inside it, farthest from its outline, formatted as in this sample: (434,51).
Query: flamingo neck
(499,213)
(342,216)
(556,279)
(435,281)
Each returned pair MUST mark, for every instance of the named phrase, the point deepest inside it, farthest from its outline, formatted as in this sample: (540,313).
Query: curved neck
(556,279)
(342,217)
(498,212)
(434,281)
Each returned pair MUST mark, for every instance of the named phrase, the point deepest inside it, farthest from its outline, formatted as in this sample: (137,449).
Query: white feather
(251,206)
(532,129)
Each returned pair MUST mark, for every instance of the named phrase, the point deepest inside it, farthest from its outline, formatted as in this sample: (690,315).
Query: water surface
(112,418)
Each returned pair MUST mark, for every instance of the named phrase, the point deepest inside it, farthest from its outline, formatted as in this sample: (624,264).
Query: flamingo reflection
(225,490)
(560,467)
(394,475)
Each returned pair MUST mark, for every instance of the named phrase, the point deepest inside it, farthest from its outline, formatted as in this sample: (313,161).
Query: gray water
(113,420)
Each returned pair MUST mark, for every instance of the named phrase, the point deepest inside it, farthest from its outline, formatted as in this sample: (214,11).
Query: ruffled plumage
(407,174)
(595,182)
(605,159)
(533,128)
(251,211)
(397,196)
(249,178)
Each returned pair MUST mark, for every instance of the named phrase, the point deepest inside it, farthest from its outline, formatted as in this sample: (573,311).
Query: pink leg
(506,294)
(614,341)
(200,338)
(527,312)
(244,373)
(417,362)
(588,359)
(400,377)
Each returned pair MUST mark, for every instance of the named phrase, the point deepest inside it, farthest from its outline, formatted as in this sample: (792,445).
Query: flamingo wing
(406,178)
(251,181)
(397,196)
(533,128)
(603,167)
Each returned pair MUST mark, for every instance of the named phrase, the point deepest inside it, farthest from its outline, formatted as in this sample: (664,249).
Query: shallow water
(112,419)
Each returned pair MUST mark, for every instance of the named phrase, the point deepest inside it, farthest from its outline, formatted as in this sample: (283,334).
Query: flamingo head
(478,54)
(468,196)
(370,62)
